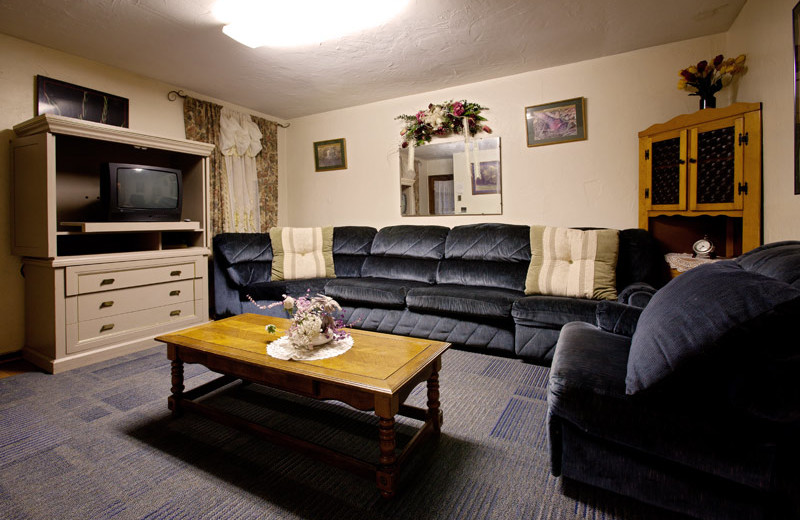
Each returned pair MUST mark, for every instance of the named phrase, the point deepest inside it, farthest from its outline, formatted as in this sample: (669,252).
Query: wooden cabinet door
(715,166)
(666,172)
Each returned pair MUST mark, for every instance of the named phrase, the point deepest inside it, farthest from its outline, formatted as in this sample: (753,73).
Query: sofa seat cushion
(587,388)
(552,311)
(274,291)
(465,301)
(383,292)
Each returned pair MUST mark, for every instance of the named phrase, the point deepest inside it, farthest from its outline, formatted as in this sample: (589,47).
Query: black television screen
(135,192)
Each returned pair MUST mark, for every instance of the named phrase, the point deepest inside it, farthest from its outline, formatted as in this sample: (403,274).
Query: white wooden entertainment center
(96,289)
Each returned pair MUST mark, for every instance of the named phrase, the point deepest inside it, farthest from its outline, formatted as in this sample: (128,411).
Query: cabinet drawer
(110,303)
(94,281)
(85,331)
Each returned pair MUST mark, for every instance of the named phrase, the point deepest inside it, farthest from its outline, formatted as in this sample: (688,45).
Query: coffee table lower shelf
(390,462)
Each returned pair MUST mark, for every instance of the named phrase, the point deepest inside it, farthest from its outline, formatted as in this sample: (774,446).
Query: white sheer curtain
(240,142)
(443,193)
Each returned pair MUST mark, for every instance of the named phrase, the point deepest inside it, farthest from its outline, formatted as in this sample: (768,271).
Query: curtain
(443,203)
(240,142)
(203,120)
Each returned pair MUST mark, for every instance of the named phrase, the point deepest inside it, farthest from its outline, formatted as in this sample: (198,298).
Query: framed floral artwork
(487,179)
(330,155)
(65,99)
(558,122)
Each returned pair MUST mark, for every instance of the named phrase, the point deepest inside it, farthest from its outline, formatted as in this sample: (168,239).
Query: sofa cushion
(779,260)
(486,255)
(572,262)
(245,257)
(383,292)
(552,311)
(351,246)
(697,311)
(301,253)
(406,253)
(458,300)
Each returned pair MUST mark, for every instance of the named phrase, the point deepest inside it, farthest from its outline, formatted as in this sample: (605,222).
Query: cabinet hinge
(744,138)
(647,193)
(742,188)
(647,155)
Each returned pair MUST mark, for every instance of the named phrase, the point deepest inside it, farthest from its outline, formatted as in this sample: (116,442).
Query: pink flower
(487,129)
(403,132)
(405,144)
(420,115)
(458,109)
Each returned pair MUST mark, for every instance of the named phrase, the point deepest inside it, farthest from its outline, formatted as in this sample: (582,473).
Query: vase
(321,339)
(707,101)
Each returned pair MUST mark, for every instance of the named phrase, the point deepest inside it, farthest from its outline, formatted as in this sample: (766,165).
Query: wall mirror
(451,178)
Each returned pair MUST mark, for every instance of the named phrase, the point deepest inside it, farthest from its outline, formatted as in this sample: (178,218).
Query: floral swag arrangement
(315,321)
(442,120)
(707,78)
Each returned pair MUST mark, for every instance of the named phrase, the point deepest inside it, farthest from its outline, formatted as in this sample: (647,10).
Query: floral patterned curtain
(202,123)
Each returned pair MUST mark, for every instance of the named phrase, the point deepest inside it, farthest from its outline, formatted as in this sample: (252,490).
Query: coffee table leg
(387,468)
(174,401)
(435,415)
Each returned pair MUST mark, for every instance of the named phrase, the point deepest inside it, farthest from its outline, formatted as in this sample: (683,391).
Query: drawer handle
(107,326)
(106,304)
(175,313)
(175,273)
(175,293)
(107,281)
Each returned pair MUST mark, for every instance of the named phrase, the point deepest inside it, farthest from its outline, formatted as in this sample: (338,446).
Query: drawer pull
(175,273)
(175,313)
(107,281)
(106,304)
(175,293)
(107,326)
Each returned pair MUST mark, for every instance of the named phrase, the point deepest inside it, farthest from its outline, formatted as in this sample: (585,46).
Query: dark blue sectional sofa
(692,403)
(463,285)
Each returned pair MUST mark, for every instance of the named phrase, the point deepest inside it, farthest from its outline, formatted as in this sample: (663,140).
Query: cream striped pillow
(571,262)
(302,253)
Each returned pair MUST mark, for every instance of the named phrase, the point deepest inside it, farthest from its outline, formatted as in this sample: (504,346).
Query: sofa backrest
(351,247)
(406,252)
(486,255)
(779,260)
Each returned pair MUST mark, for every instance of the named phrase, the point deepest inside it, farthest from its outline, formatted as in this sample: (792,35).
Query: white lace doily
(682,262)
(282,348)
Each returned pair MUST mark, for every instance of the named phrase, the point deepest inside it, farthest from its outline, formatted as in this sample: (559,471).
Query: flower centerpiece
(315,321)
(442,120)
(707,78)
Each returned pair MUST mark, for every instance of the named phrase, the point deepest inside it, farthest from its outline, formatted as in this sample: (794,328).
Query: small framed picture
(559,122)
(330,155)
(65,99)
(487,178)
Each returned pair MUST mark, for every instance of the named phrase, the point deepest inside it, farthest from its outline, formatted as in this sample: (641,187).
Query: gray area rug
(98,442)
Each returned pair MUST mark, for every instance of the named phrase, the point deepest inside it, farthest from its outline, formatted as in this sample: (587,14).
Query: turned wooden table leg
(435,415)
(174,401)
(387,469)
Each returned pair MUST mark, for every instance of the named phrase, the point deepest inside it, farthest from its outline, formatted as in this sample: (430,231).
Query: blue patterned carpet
(98,442)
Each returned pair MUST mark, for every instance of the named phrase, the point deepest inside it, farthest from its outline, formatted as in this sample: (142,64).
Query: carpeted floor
(98,442)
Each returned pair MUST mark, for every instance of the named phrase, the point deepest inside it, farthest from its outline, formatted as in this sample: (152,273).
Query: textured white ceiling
(433,44)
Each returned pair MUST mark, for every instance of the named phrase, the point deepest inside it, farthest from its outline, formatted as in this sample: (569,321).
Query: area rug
(98,442)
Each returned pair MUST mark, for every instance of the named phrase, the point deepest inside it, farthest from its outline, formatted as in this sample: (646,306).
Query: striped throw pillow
(299,253)
(571,262)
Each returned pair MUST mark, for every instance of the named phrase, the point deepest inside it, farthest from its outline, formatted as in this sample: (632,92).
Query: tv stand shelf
(128,227)
(96,289)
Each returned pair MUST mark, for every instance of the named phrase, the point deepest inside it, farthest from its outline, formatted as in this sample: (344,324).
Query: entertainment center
(96,288)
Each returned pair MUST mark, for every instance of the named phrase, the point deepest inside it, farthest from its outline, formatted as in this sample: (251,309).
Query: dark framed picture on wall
(65,99)
(330,155)
(557,122)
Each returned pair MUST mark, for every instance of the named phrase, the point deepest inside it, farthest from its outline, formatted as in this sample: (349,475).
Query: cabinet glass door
(715,166)
(667,179)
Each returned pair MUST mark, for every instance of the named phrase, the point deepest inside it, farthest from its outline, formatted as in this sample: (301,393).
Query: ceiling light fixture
(281,23)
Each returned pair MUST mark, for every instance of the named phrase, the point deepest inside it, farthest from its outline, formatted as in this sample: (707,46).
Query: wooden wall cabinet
(700,174)
(96,289)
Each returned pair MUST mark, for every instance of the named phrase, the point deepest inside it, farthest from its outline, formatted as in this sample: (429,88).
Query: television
(140,193)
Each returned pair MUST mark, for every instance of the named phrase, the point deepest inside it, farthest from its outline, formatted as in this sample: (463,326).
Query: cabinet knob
(681,161)
(175,293)
(107,281)
(175,313)
(175,273)
(106,327)
(693,160)
(106,304)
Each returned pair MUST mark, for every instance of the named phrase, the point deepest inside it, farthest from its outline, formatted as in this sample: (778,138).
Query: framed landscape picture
(558,122)
(65,99)
(487,178)
(330,155)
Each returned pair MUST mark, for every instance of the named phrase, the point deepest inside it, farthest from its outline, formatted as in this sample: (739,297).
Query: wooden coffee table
(377,373)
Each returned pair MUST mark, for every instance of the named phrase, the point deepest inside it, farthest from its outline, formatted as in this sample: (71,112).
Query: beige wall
(592,182)
(763,31)
(150,112)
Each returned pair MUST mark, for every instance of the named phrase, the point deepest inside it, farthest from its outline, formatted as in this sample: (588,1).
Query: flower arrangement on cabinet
(442,120)
(315,320)
(707,78)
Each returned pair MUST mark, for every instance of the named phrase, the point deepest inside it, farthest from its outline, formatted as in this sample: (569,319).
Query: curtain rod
(172,95)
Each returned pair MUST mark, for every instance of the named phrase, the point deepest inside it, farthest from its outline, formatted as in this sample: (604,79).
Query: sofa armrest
(617,318)
(637,294)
